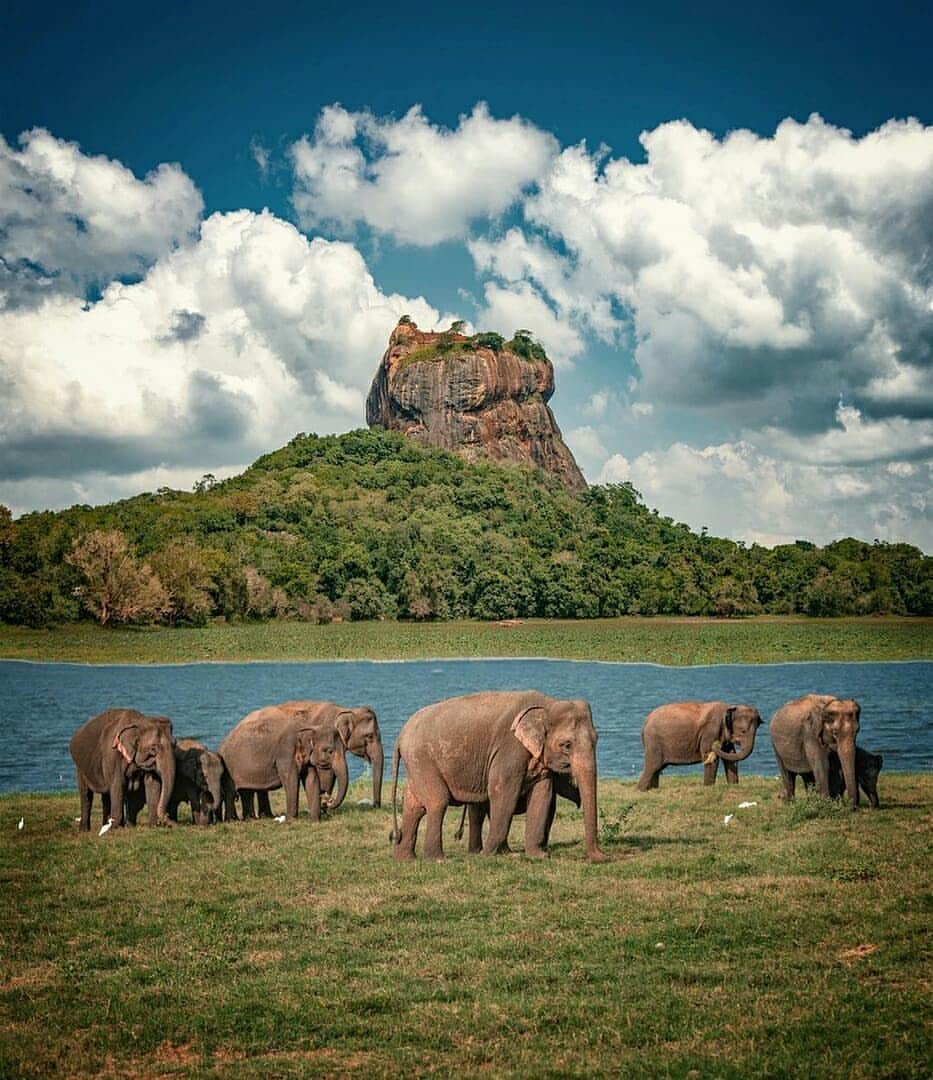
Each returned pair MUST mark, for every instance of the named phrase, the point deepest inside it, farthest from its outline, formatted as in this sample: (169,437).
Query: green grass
(678,641)
(789,943)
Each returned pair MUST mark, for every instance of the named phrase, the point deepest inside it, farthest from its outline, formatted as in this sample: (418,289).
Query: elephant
(118,747)
(493,748)
(688,732)
(805,732)
(867,768)
(563,785)
(201,780)
(275,747)
(359,733)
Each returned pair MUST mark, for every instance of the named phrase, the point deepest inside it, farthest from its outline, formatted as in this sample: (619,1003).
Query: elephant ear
(126,741)
(304,744)
(344,725)
(818,716)
(530,729)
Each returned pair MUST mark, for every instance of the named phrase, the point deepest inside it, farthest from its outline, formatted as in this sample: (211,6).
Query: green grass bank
(676,641)
(789,943)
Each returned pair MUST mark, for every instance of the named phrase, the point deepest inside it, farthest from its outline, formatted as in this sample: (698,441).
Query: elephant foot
(598,856)
(403,855)
(533,853)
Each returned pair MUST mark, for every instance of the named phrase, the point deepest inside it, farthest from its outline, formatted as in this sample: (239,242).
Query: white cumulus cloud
(69,220)
(416,181)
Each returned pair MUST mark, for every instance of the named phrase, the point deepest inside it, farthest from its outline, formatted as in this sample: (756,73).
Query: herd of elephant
(497,754)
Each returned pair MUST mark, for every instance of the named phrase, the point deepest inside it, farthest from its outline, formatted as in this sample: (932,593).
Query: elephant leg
(290,784)
(731,769)
(788,781)
(412,813)
(654,763)
(818,760)
(86,801)
(105,807)
(116,799)
(265,806)
(551,814)
(477,814)
(709,770)
(537,819)
(248,802)
(436,803)
(504,792)
(313,793)
(153,793)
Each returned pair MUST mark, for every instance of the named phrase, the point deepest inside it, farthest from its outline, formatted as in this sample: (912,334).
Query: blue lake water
(41,705)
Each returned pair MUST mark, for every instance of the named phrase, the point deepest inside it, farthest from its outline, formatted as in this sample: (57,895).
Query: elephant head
(359,732)
(561,738)
(320,747)
(147,745)
(837,725)
(740,724)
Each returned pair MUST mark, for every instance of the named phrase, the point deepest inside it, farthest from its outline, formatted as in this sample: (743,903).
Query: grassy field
(768,639)
(789,943)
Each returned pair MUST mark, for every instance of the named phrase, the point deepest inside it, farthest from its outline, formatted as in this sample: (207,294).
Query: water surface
(41,705)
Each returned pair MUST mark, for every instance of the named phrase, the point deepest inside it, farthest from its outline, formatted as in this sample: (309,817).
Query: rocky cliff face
(480,402)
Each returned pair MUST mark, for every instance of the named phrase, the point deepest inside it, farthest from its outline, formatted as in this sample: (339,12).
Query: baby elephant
(688,732)
(201,781)
(867,767)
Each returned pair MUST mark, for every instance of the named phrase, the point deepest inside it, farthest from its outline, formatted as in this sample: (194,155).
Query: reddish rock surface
(479,403)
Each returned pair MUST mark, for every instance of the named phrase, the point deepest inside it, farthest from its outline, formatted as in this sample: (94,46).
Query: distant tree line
(372,525)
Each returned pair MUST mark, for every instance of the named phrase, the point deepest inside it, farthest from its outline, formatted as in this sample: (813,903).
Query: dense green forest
(372,525)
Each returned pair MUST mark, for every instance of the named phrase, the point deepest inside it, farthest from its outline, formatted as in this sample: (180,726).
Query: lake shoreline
(675,641)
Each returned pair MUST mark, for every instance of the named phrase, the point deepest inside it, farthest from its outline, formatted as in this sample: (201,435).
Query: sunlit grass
(787,943)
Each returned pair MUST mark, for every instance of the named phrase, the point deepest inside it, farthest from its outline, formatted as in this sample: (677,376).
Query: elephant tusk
(712,755)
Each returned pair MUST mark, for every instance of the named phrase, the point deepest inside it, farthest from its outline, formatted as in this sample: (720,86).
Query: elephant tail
(458,835)
(396,758)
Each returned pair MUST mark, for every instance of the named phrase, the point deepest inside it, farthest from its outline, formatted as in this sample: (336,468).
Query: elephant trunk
(846,752)
(585,777)
(377,762)
(343,778)
(748,745)
(165,766)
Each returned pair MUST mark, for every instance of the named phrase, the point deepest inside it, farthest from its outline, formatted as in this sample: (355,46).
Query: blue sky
(741,324)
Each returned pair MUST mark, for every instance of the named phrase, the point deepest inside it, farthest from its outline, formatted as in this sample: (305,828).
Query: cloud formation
(411,179)
(737,490)
(238,334)
(69,220)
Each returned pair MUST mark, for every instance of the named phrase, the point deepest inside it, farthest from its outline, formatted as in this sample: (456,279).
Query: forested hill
(370,524)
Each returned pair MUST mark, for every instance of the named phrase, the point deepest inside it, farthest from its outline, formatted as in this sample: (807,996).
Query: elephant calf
(477,813)
(201,781)
(867,768)
(688,732)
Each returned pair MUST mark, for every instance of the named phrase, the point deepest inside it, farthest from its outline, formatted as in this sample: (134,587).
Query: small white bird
(746,805)
(727,819)
(280,818)
(364,802)
(106,828)
(22,823)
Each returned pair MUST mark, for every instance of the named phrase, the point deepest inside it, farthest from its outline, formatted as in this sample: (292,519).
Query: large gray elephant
(805,732)
(359,733)
(562,784)
(275,747)
(495,748)
(118,747)
(688,732)
(201,781)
